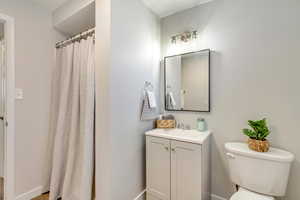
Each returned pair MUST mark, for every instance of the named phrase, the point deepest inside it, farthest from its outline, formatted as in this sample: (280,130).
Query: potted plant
(257,136)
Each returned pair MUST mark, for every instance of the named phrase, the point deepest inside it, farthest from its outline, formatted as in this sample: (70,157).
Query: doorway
(7,108)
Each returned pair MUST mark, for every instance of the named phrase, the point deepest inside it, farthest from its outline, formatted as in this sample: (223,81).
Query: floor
(1,188)
(42,197)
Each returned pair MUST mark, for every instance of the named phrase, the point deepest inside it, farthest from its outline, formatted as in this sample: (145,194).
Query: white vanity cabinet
(178,165)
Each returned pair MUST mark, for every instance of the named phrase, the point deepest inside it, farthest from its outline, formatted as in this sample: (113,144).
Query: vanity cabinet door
(185,171)
(158,168)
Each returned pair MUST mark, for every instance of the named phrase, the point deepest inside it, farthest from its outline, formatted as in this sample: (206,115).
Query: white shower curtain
(2,65)
(72,122)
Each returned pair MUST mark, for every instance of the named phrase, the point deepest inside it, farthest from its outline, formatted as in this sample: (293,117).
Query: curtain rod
(75,38)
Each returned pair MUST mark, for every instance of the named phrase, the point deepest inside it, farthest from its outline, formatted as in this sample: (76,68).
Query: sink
(192,136)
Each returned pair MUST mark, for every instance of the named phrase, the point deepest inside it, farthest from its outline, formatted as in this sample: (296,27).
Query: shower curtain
(72,122)
(2,66)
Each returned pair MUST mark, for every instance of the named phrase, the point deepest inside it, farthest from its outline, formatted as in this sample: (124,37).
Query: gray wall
(134,52)
(35,39)
(255,74)
(102,73)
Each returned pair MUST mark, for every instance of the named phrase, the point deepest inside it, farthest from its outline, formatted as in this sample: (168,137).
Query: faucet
(187,127)
(183,127)
(180,125)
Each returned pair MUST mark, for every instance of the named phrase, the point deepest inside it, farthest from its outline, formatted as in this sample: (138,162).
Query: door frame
(9,115)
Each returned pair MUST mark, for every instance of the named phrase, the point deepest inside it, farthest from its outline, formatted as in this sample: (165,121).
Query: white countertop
(192,136)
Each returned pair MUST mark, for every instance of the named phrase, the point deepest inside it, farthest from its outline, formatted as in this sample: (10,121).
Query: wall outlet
(19,93)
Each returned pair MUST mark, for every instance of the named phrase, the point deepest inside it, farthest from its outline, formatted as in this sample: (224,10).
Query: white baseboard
(38,191)
(30,194)
(216,197)
(141,196)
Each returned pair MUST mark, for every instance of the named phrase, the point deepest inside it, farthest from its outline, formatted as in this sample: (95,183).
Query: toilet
(258,176)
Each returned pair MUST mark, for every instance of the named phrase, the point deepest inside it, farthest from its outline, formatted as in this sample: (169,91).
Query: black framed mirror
(187,82)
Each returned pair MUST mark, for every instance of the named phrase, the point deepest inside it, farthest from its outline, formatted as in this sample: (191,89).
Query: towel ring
(148,86)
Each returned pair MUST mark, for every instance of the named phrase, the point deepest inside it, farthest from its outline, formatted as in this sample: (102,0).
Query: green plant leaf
(260,129)
(249,133)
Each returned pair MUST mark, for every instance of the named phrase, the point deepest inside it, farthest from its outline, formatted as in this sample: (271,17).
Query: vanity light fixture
(184,37)
(173,39)
(194,34)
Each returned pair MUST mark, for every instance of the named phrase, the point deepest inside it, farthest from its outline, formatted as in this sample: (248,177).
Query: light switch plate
(19,93)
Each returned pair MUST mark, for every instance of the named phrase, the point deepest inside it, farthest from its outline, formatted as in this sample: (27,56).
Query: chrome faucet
(187,127)
(182,126)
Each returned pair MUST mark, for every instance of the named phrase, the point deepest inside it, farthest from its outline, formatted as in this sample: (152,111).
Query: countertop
(192,136)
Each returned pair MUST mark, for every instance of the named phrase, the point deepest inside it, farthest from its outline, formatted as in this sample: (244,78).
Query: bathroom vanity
(178,164)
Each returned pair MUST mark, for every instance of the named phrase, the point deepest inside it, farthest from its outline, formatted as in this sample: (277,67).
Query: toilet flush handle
(230,155)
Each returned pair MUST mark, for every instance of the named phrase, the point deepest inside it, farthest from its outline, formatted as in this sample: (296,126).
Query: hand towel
(171,100)
(151,99)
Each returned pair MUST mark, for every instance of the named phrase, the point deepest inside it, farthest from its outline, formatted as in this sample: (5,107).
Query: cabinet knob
(167,148)
(173,149)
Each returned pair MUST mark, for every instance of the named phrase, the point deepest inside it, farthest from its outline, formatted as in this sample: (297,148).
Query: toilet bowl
(259,176)
(244,194)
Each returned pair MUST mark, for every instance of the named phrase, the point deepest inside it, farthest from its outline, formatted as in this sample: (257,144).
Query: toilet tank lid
(273,154)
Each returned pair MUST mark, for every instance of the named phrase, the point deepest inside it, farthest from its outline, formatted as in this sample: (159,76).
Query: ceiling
(83,19)
(50,4)
(165,8)
(162,8)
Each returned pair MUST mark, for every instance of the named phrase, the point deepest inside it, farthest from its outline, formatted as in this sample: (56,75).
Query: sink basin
(192,136)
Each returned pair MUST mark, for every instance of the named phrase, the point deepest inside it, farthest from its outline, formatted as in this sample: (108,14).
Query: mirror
(187,82)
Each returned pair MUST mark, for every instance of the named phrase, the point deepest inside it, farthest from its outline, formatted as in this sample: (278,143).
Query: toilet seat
(244,194)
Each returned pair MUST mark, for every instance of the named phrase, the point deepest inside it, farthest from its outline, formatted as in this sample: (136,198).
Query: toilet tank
(265,173)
